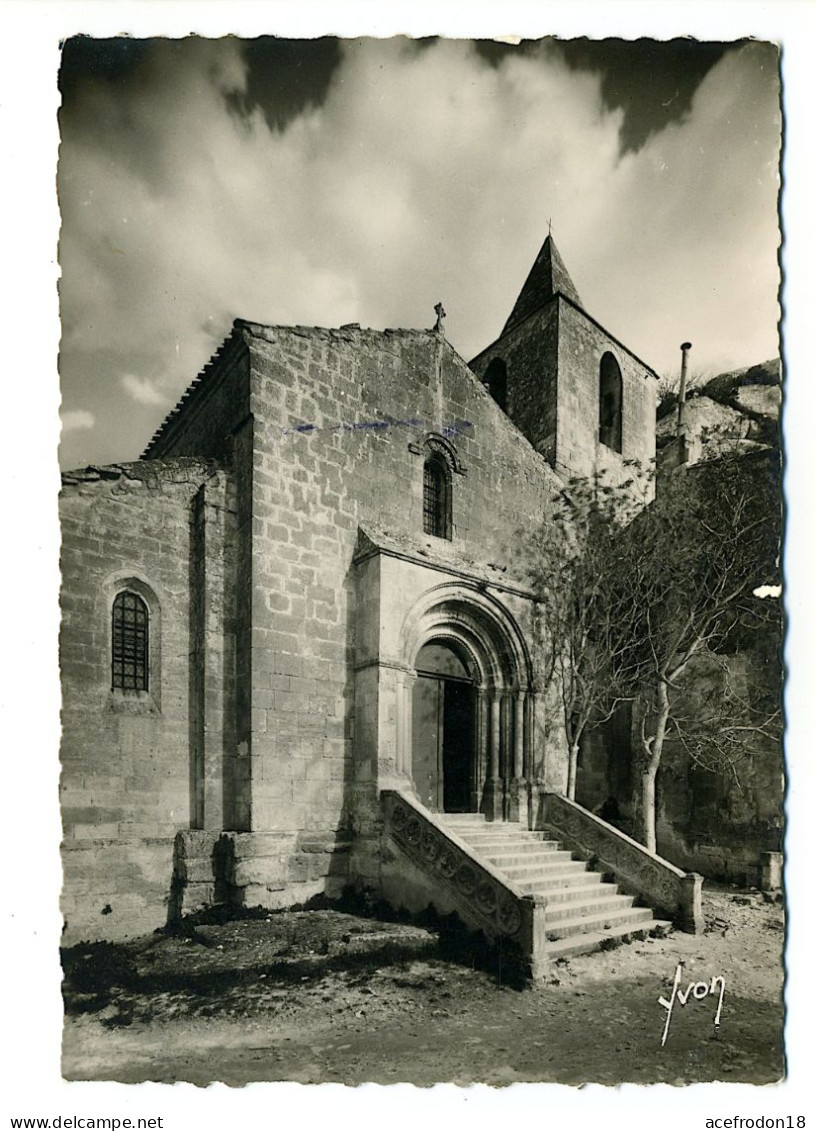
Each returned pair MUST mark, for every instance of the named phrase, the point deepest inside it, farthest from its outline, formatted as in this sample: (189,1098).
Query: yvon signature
(696,990)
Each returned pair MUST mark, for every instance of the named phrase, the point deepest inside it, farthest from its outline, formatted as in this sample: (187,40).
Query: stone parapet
(483,898)
(671,891)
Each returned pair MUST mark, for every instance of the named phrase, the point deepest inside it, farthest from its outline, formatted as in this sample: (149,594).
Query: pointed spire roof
(547,278)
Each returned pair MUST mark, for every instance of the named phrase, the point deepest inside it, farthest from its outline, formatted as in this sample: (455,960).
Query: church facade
(312,595)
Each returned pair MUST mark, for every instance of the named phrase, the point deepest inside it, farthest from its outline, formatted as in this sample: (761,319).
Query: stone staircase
(583,910)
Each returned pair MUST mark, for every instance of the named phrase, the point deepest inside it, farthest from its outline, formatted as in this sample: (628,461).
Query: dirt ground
(323,995)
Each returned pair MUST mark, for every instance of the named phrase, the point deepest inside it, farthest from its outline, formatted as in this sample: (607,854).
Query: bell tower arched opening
(495,380)
(610,404)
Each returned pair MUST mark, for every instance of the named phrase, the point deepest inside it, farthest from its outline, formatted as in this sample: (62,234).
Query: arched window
(130,642)
(436,497)
(610,406)
(495,380)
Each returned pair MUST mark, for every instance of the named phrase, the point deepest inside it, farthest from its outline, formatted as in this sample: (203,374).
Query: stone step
(557,880)
(587,909)
(513,844)
(523,862)
(584,910)
(507,828)
(553,858)
(485,836)
(577,892)
(597,921)
(553,861)
(594,940)
(538,882)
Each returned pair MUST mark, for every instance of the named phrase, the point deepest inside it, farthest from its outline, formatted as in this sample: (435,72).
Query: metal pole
(681,396)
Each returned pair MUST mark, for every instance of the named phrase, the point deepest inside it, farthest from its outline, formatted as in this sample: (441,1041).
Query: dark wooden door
(457,746)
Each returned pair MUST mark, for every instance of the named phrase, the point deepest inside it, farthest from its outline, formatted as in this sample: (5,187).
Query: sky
(330,181)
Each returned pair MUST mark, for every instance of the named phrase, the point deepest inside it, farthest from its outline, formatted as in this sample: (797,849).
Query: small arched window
(610,407)
(436,497)
(130,642)
(495,380)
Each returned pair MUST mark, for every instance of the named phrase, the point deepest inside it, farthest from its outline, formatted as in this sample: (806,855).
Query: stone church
(299,645)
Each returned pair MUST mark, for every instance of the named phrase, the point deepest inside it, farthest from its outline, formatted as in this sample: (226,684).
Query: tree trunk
(572,770)
(648,834)
(648,775)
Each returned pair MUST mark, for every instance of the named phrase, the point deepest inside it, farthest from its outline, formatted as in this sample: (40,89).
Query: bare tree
(578,560)
(690,566)
(637,598)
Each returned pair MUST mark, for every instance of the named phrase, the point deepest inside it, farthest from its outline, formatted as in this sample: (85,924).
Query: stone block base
(271,870)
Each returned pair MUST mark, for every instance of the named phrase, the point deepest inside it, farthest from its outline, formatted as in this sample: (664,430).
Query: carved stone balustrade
(665,887)
(481,896)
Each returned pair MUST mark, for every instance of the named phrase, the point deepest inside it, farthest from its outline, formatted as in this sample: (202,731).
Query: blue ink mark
(455,429)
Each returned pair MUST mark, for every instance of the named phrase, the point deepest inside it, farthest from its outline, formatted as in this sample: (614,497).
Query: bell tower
(583,399)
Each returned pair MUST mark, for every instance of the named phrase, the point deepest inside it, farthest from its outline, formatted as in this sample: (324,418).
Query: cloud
(142,389)
(423,175)
(77,420)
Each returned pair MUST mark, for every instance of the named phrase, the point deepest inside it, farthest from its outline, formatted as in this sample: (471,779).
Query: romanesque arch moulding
(476,623)
(435,443)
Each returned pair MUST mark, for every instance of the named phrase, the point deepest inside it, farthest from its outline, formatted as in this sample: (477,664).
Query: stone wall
(339,420)
(732,413)
(322,432)
(214,420)
(252,727)
(582,344)
(718,823)
(553,384)
(530,353)
(212,411)
(706,821)
(721,823)
(711,430)
(127,780)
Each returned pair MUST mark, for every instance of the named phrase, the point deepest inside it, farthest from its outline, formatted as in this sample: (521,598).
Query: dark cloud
(86,60)
(652,82)
(286,77)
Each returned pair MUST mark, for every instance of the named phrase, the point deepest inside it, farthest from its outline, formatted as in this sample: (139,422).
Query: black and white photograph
(419,564)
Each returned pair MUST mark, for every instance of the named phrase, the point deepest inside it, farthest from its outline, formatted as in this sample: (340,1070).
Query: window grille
(436,498)
(129,652)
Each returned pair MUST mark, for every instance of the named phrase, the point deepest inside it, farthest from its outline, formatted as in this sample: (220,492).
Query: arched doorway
(444,729)
(465,639)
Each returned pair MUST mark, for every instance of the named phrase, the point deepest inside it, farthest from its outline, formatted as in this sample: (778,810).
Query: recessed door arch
(443,760)
(496,713)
